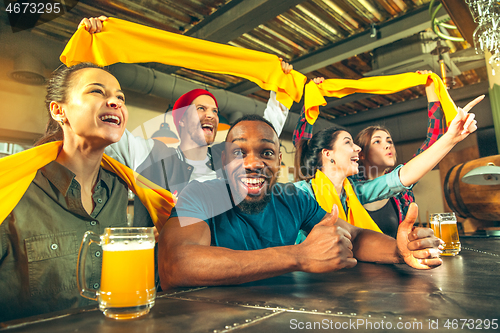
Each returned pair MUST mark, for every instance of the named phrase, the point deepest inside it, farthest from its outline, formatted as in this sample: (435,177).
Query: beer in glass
(445,227)
(127,287)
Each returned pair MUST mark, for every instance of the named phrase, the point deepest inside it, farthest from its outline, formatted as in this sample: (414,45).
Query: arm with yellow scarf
(52,194)
(330,156)
(410,173)
(261,68)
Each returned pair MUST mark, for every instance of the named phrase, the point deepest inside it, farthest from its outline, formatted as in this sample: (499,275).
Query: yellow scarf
(18,171)
(127,42)
(373,85)
(327,196)
(122,41)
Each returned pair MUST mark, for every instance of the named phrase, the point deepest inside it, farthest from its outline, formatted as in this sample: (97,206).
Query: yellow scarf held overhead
(145,44)
(381,85)
(18,171)
(327,196)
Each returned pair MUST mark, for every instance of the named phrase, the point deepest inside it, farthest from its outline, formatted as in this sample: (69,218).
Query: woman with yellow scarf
(53,193)
(327,160)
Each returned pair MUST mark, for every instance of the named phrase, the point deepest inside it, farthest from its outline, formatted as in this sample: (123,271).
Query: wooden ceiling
(329,38)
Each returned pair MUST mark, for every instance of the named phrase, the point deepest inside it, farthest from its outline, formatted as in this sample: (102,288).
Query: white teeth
(207,126)
(256,181)
(115,118)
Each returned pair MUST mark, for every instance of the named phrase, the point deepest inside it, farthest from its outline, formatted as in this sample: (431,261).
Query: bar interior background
(347,39)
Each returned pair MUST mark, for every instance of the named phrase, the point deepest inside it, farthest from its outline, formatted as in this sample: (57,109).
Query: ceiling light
(483,175)
(28,70)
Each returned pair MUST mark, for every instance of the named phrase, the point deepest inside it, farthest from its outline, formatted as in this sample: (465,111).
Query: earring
(332,161)
(62,122)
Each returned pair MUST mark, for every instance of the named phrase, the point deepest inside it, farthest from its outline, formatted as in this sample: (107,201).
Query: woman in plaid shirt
(378,156)
(380,153)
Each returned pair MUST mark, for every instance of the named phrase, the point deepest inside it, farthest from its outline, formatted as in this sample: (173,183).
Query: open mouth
(355,159)
(111,119)
(207,128)
(254,185)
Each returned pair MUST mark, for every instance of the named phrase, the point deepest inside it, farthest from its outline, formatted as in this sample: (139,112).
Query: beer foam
(130,246)
(448,222)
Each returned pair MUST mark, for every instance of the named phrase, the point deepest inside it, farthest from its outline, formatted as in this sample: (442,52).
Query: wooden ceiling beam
(235,19)
(461,16)
(389,32)
(239,17)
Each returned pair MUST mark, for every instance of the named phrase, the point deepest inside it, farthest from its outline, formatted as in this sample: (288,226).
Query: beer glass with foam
(445,227)
(127,287)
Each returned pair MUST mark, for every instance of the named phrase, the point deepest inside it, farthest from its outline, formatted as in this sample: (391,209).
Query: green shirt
(40,239)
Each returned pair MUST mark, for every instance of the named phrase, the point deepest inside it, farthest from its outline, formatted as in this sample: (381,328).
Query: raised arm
(131,150)
(461,126)
(436,124)
(185,257)
(275,112)
(304,130)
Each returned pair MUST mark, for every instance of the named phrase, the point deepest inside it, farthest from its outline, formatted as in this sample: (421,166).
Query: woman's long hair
(57,91)
(308,155)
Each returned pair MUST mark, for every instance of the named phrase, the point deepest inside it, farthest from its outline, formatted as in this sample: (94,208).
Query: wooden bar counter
(463,293)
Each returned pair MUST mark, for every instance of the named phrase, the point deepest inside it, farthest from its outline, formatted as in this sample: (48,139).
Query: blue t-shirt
(289,210)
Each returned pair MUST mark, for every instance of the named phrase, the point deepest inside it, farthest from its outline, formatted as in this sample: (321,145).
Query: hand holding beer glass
(127,278)
(444,226)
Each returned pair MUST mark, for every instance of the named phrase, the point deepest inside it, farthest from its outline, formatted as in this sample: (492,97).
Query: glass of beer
(444,226)
(127,287)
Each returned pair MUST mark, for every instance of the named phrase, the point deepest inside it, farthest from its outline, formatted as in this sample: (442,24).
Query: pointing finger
(470,105)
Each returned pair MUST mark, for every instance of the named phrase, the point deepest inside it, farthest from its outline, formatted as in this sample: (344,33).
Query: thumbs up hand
(419,247)
(327,248)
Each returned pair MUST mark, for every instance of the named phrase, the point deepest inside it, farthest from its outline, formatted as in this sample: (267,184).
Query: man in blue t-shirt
(243,228)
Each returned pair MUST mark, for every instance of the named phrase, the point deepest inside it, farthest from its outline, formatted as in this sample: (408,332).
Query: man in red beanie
(196,118)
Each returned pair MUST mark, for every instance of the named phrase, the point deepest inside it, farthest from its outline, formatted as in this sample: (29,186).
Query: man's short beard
(255,207)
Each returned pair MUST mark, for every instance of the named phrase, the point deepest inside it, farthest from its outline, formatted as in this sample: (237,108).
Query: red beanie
(184,101)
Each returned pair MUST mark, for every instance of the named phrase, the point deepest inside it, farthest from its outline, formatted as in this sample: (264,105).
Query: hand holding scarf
(145,44)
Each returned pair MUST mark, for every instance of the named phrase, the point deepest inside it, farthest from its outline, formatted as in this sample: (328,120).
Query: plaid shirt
(435,129)
(303,130)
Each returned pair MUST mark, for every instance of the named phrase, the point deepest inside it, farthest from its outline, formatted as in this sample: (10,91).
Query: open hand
(93,24)
(419,247)
(327,248)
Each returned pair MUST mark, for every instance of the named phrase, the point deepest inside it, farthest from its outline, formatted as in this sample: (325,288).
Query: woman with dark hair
(378,156)
(327,160)
(69,193)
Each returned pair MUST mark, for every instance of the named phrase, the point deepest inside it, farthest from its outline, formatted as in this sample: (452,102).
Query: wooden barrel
(481,202)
